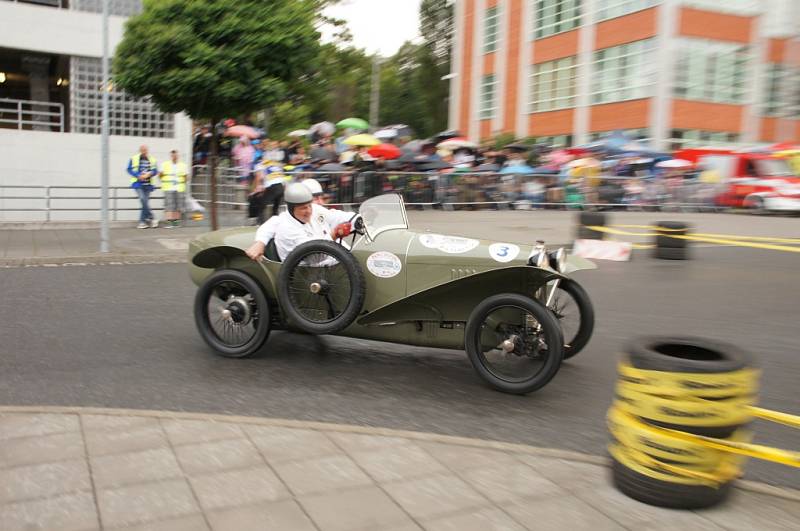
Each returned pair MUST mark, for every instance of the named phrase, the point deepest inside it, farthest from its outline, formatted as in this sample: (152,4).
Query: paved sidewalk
(75,469)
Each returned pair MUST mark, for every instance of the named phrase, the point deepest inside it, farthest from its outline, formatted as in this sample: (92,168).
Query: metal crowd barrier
(441,190)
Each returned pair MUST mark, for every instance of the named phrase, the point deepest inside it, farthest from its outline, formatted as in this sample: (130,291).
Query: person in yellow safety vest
(173,182)
(142,169)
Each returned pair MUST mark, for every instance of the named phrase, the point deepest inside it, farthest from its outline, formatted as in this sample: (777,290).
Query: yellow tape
(727,236)
(689,399)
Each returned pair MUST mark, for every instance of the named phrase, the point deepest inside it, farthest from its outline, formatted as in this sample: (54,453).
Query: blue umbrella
(521,170)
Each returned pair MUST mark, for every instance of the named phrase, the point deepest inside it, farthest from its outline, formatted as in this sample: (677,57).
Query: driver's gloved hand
(341,230)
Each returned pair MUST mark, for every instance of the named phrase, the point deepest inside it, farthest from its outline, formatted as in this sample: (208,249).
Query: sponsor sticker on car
(384,264)
(448,244)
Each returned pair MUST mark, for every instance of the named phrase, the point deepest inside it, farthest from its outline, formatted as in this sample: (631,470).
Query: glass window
(488,108)
(128,116)
(624,72)
(607,9)
(711,71)
(123,8)
(491,29)
(683,138)
(735,7)
(553,85)
(555,16)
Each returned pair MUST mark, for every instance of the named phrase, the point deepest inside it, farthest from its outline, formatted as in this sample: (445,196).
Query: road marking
(698,238)
(709,235)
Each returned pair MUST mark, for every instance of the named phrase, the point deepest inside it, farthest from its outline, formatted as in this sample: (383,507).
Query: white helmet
(313,186)
(297,194)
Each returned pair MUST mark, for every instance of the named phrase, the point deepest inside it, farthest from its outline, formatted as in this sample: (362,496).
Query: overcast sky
(380,26)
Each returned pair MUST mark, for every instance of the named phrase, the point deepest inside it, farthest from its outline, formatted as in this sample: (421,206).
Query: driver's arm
(337,217)
(263,235)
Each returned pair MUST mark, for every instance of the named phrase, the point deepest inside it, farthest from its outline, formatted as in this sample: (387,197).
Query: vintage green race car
(510,306)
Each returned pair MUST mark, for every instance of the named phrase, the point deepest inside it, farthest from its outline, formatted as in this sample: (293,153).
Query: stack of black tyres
(587,220)
(682,355)
(668,247)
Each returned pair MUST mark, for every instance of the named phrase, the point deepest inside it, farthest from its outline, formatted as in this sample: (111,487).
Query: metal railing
(49,199)
(27,114)
(447,191)
(452,190)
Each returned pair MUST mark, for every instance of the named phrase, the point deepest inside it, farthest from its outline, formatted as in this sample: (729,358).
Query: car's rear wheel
(514,343)
(232,313)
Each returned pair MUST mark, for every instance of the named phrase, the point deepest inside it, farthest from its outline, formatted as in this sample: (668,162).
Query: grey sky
(380,26)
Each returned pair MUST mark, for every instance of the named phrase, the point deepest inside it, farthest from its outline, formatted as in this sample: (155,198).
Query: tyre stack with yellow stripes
(672,387)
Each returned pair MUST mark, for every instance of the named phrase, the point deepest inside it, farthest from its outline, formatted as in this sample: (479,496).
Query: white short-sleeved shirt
(323,216)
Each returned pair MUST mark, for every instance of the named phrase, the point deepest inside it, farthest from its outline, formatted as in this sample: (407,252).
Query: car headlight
(558,259)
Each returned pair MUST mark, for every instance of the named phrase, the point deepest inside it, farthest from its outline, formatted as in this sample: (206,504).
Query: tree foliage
(215,58)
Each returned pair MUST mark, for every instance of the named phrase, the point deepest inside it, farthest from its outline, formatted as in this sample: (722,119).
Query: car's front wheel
(232,313)
(514,343)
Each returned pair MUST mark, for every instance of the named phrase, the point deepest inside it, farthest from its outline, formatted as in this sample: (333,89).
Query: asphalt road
(124,336)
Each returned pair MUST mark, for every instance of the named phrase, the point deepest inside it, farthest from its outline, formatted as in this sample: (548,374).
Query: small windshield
(773,167)
(384,212)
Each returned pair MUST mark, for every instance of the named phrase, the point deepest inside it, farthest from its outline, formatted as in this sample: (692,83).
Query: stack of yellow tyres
(668,388)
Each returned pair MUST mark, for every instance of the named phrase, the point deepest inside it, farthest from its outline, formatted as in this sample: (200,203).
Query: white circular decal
(384,265)
(448,244)
(503,252)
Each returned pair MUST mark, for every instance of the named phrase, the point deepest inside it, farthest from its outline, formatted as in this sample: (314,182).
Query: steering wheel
(357,223)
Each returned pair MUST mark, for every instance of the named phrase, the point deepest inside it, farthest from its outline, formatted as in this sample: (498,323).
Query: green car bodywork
(426,301)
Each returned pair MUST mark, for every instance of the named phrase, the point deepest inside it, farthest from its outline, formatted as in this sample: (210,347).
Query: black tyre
(232,313)
(573,309)
(591,219)
(689,355)
(671,228)
(321,287)
(755,205)
(671,253)
(514,343)
(666,494)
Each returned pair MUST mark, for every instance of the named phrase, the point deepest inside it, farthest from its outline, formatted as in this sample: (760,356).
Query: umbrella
(385,134)
(488,167)
(323,129)
(413,147)
(458,143)
(385,151)
(444,135)
(353,123)
(332,166)
(430,165)
(362,140)
(674,164)
(519,170)
(518,147)
(581,163)
(402,130)
(298,133)
(242,130)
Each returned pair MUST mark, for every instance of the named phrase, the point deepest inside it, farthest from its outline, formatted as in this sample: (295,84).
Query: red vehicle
(752,179)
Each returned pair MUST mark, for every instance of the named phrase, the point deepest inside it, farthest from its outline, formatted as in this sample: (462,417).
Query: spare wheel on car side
(321,287)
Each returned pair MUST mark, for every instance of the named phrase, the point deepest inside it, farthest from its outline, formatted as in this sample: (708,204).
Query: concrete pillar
(583,101)
(38,69)
(666,50)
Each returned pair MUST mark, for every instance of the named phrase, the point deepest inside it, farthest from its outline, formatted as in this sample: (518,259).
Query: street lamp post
(104,132)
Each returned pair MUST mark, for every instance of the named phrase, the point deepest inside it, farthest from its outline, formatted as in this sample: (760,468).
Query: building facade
(50,97)
(675,72)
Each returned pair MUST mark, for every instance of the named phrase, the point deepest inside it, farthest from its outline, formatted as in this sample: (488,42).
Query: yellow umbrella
(362,140)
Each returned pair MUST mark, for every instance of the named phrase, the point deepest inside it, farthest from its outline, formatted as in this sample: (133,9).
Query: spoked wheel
(232,313)
(321,287)
(574,311)
(514,343)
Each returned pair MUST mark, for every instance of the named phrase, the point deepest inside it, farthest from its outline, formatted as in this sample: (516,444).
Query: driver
(305,219)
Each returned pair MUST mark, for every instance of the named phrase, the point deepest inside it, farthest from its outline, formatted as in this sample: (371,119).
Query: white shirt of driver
(330,217)
(289,232)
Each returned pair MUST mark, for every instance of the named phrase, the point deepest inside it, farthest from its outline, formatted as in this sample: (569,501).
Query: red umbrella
(385,151)
(242,130)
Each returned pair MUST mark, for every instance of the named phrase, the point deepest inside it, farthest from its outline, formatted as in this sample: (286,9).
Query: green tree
(217,58)
(436,28)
